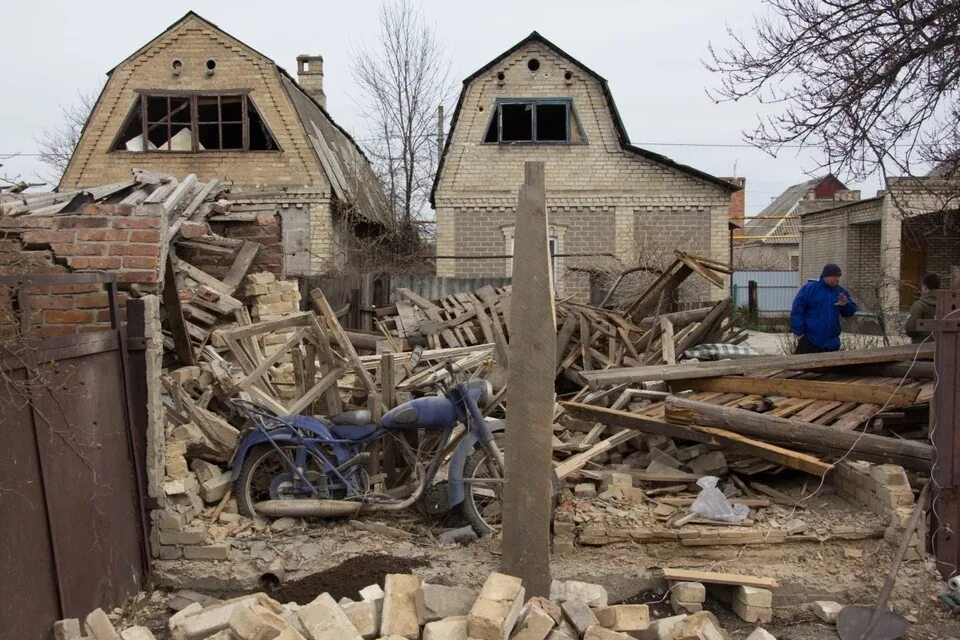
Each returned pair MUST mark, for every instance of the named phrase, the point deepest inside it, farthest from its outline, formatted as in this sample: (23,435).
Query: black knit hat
(830,269)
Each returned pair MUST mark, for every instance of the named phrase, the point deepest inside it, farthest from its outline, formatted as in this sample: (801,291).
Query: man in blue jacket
(815,317)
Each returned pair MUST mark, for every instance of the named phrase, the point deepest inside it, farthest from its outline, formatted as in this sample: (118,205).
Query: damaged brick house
(195,100)
(609,203)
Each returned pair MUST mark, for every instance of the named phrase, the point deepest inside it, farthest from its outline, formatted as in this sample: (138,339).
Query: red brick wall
(119,239)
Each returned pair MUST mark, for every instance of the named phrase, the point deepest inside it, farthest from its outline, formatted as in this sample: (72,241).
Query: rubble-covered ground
(336,557)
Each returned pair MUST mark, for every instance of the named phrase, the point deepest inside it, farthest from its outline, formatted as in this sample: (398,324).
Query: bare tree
(872,83)
(403,78)
(56,144)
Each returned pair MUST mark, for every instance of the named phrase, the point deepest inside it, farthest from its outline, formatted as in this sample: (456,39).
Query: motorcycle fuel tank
(432,412)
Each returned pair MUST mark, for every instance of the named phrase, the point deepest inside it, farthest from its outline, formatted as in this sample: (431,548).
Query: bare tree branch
(56,144)
(403,78)
(871,83)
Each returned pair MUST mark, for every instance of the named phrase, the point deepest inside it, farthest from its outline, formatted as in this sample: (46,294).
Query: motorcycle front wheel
(483,499)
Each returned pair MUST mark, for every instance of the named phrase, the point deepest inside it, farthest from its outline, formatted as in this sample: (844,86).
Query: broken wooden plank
(328,381)
(241,264)
(757,363)
(666,341)
(274,358)
(574,463)
(839,391)
(346,347)
(710,577)
(696,433)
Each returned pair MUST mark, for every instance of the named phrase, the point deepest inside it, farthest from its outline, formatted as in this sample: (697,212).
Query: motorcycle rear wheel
(258,473)
(483,501)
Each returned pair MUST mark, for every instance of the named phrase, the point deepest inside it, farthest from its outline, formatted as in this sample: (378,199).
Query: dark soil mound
(345,579)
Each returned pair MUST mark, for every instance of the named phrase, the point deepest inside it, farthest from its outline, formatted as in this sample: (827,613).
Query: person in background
(923,309)
(815,316)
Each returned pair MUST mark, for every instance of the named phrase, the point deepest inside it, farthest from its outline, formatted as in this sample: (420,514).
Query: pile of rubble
(588,337)
(407,608)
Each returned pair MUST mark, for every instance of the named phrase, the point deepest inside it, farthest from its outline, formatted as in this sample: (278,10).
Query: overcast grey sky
(650,51)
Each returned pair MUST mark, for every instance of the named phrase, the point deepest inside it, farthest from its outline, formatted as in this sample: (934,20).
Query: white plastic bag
(712,504)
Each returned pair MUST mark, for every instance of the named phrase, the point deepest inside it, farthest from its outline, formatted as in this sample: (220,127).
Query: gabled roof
(779,223)
(337,151)
(614,113)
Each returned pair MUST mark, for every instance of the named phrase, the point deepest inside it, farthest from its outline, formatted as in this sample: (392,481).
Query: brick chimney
(738,200)
(310,77)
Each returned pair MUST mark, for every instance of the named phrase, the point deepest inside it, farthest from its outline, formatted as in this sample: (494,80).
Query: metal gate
(72,523)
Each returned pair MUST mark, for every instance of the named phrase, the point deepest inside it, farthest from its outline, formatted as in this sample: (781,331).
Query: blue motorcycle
(306,466)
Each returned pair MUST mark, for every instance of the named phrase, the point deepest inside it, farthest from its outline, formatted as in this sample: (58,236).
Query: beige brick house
(197,100)
(610,204)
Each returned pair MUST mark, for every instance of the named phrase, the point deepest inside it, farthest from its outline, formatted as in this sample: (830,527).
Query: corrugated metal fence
(435,287)
(775,290)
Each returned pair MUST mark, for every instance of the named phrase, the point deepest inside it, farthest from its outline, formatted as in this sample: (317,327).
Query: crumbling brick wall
(883,489)
(118,239)
(602,192)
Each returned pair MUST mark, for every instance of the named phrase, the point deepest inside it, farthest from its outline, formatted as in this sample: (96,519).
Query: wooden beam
(838,391)
(755,364)
(326,382)
(178,328)
(275,357)
(917,456)
(708,435)
(334,328)
(528,490)
(666,341)
(241,264)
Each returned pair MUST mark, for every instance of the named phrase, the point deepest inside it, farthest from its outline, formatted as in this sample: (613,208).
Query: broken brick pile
(407,608)
(885,490)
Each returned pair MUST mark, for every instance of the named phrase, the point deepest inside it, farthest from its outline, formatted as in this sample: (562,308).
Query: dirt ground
(322,554)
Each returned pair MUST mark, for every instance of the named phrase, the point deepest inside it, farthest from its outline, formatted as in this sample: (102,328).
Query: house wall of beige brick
(193,41)
(601,198)
(866,239)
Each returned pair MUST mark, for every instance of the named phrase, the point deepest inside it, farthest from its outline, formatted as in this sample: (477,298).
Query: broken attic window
(516,123)
(552,122)
(194,123)
(538,121)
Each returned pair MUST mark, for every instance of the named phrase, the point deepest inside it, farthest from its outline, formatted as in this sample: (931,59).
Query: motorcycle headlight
(483,391)
(487,397)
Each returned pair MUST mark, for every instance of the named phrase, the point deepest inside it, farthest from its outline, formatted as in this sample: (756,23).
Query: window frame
(140,105)
(572,117)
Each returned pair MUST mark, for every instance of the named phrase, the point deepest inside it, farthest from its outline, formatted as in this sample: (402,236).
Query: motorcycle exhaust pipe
(307,508)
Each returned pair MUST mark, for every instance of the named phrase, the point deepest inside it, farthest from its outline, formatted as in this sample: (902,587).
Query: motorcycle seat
(353,431)
(361,417)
